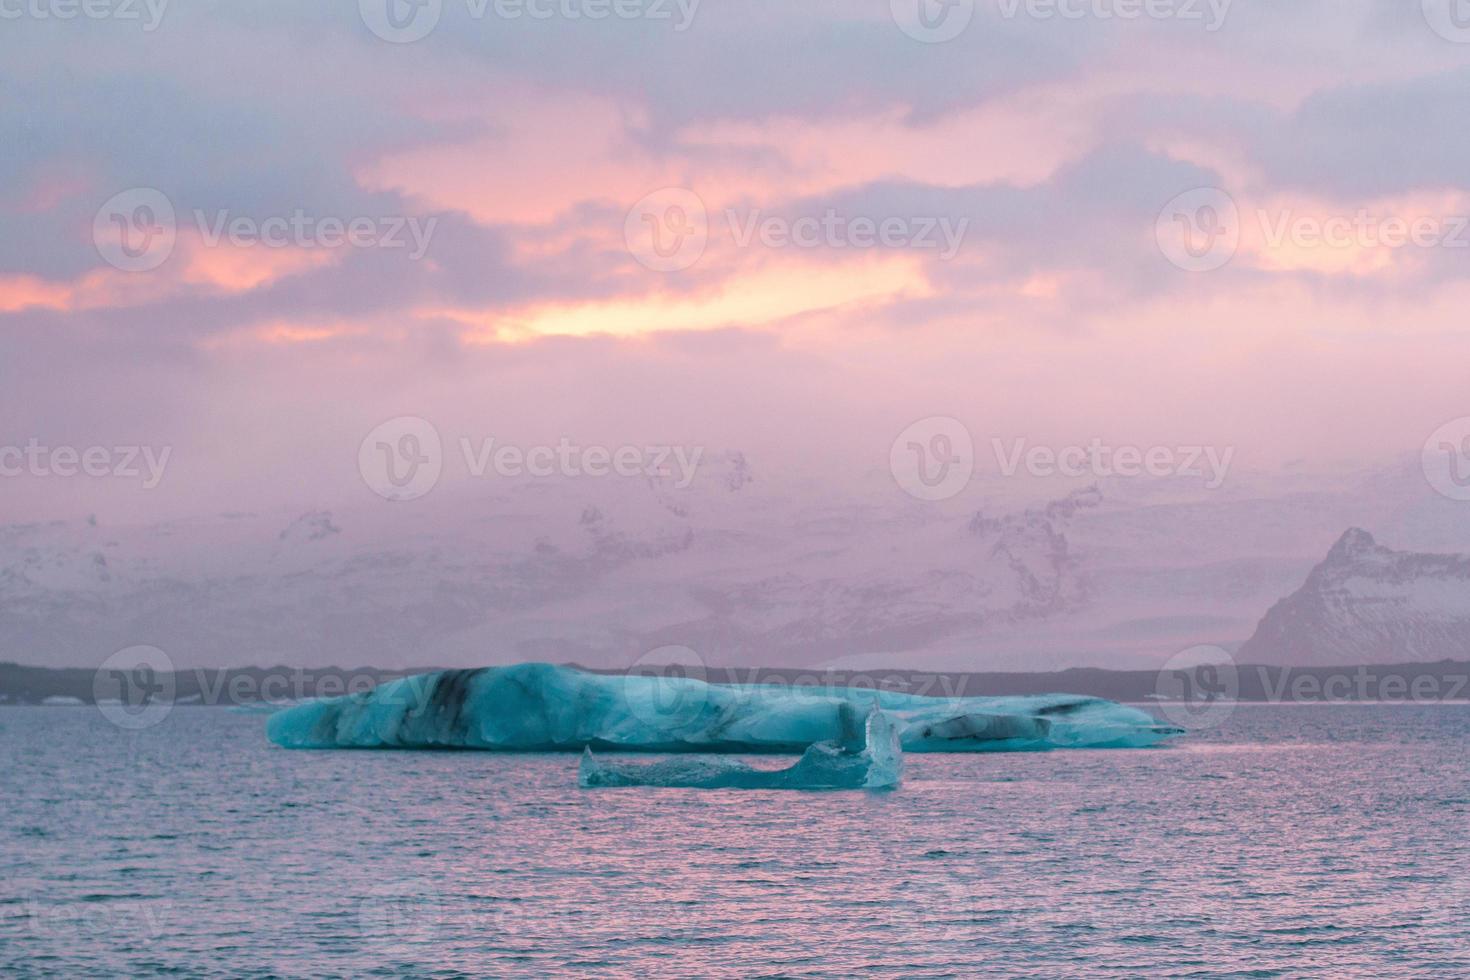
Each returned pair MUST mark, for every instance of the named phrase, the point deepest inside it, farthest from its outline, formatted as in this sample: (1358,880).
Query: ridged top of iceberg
(544,707)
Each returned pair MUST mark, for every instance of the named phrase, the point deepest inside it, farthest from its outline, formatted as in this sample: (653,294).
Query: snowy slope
(1368,604)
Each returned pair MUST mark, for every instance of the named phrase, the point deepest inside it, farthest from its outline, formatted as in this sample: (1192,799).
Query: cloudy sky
(251,233)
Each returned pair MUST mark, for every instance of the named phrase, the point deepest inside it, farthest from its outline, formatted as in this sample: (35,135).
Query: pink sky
(1027,283)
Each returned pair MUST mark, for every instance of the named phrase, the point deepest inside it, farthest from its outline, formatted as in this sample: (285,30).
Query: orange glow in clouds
(764,296)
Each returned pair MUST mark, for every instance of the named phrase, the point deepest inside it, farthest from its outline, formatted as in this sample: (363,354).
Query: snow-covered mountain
(1367,604)
(558,570)
(742,566)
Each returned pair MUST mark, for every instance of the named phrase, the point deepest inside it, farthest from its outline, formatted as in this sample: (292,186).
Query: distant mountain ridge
(596,571)
(1365,603)
(794,570)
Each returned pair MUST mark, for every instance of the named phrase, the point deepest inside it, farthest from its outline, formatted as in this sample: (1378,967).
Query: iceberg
(876,763)
(538,707)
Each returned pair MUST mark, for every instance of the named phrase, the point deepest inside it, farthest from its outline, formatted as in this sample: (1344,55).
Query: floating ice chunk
(541,707)
(1025,724)
(876,764)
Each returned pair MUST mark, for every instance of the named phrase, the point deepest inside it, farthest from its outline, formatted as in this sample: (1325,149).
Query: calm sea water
(1288,841)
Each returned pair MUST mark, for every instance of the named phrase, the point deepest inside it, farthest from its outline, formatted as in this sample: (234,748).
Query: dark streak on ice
(1066,707)
(448,700)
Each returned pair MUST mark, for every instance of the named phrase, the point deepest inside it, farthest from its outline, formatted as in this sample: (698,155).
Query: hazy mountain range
(746,567)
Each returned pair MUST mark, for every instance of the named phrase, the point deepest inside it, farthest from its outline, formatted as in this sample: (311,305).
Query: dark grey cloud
(1367,140)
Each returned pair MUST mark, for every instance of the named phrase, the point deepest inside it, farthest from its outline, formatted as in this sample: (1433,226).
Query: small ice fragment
(876,764)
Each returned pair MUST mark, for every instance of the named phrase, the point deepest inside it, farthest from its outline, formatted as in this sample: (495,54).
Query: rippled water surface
(1289,841)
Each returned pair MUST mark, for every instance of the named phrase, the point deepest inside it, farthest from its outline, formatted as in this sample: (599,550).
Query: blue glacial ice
(873,761)
(541,707)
